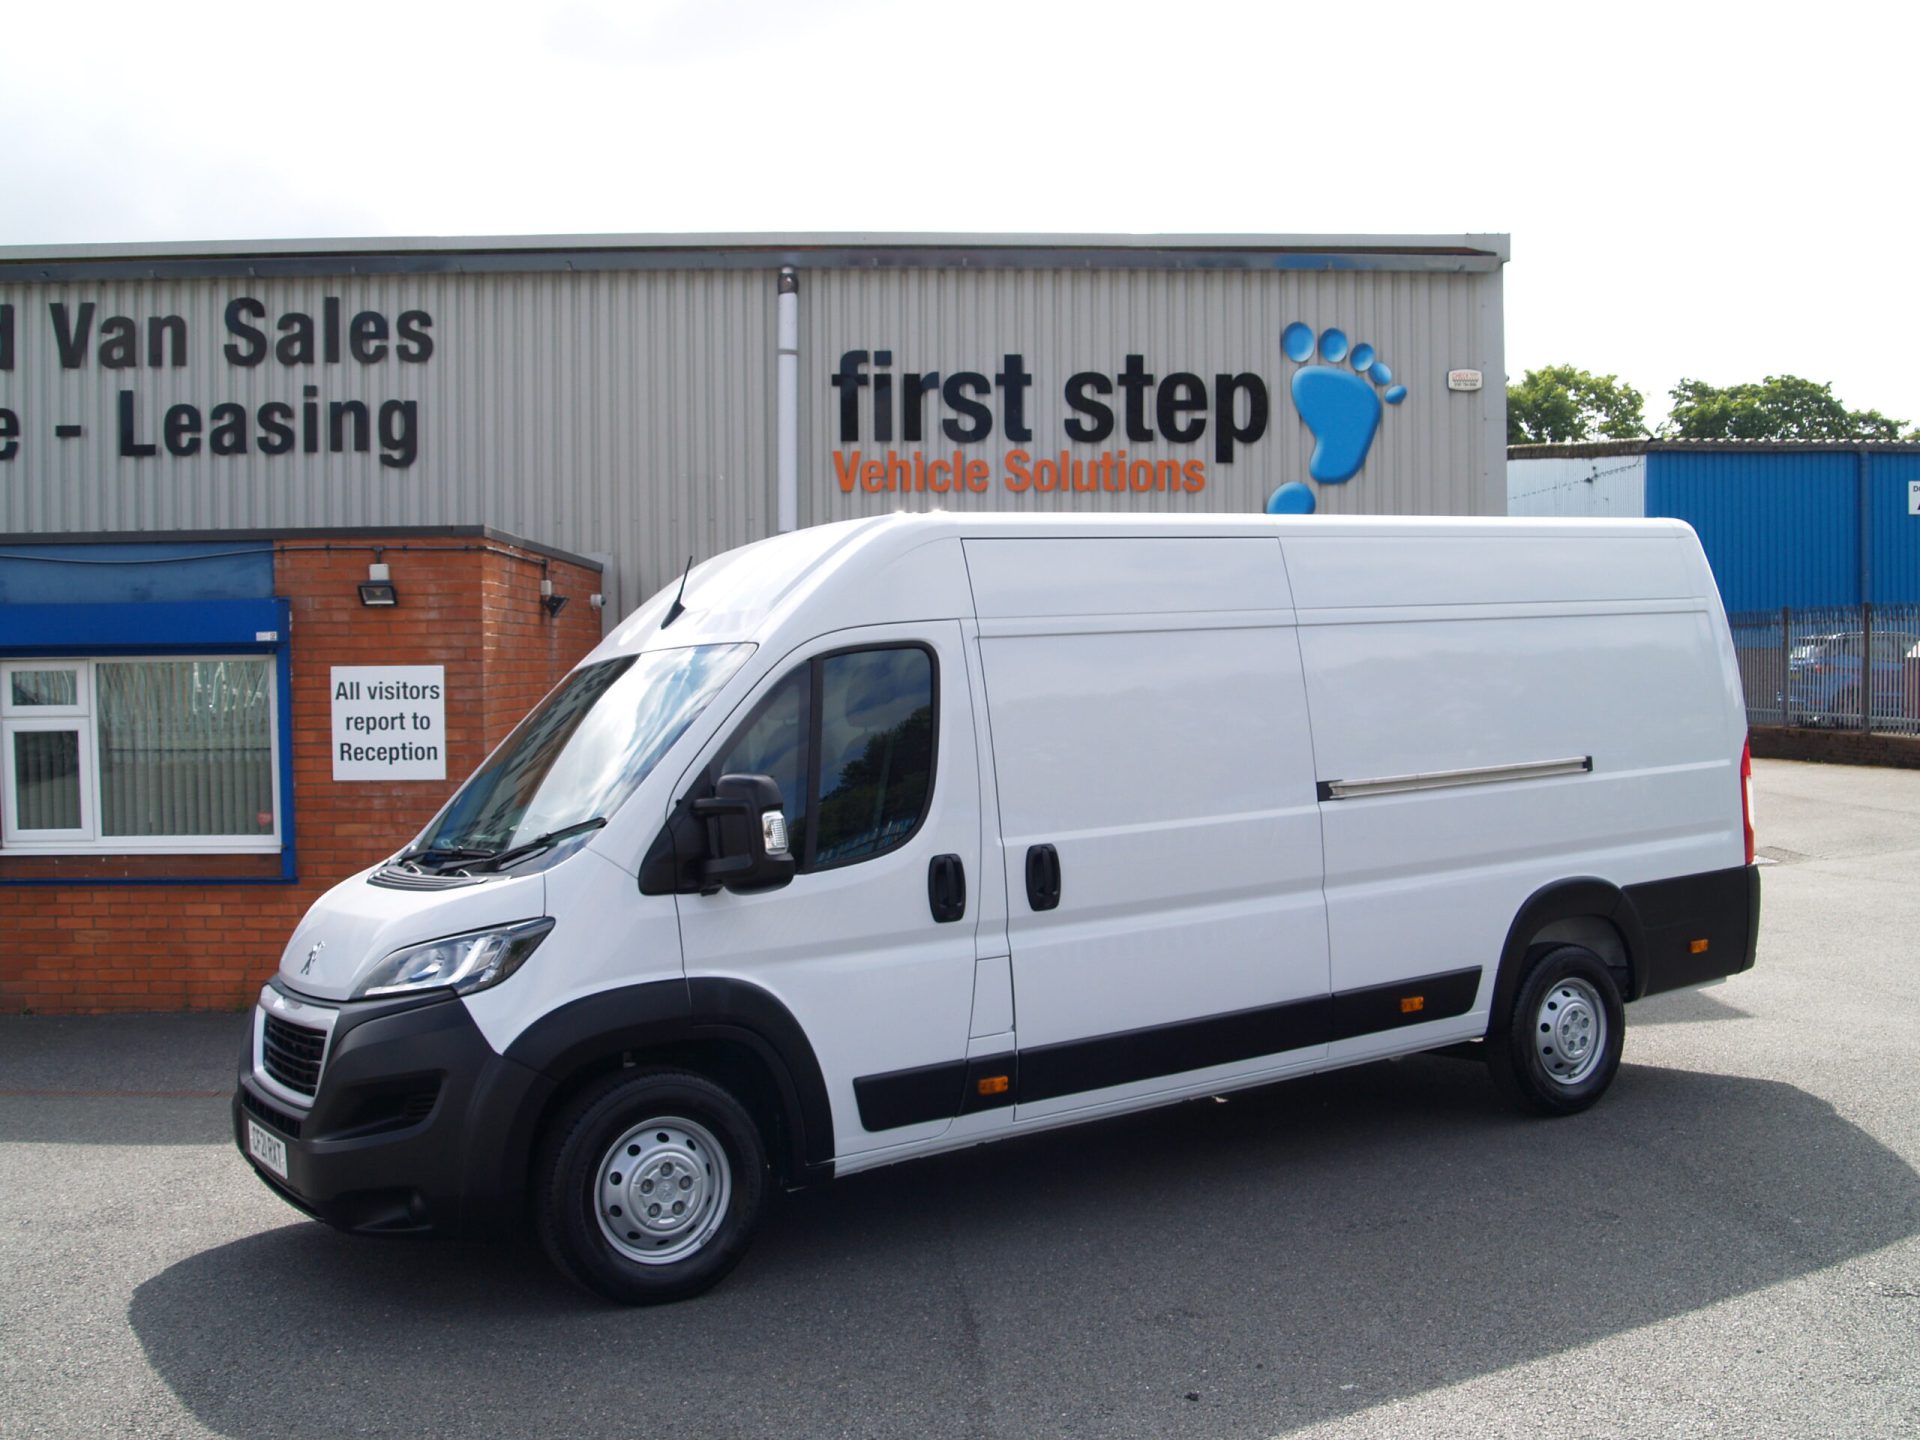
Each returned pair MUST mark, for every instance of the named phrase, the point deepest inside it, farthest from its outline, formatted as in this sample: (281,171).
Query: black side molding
(1073,1067)
(910,1097)
(1405,1002)
(936,1092)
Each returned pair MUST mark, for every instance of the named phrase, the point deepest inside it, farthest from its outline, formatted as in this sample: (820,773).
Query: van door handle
(1043,877)
(946,888)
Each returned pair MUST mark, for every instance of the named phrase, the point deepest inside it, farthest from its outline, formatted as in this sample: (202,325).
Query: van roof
(733,595)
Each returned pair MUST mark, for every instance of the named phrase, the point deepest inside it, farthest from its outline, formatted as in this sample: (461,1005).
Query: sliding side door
(1160,837)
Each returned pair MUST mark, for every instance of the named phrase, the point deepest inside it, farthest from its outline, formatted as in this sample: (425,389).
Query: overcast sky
(1721,192)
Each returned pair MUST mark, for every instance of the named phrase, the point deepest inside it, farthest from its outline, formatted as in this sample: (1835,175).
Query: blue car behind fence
(1823,678)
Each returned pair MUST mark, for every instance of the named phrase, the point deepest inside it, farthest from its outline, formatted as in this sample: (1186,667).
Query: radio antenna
(676,610)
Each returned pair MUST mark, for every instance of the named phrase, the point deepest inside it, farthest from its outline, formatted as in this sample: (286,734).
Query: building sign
(1913,497)
(1211,415)
(305,349)
(389,722)
(906,430)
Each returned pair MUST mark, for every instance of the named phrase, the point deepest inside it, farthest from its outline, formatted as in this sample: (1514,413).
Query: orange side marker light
(1412,1004)
(1698,947)
(992,1084)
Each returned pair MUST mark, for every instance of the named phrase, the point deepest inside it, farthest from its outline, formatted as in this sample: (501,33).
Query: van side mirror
(746,836)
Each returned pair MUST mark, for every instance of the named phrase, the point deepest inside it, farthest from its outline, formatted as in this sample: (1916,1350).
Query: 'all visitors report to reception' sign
(389,722)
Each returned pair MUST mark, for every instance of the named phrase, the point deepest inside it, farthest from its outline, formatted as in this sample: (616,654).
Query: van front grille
(287,1124)
(292,1053)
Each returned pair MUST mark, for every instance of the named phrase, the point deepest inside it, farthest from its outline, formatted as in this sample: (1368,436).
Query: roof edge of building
(1491,244)
(349,536)
(1600,449)
(715,251)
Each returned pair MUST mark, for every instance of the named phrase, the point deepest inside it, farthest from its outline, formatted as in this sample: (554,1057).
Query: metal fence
(1854,667)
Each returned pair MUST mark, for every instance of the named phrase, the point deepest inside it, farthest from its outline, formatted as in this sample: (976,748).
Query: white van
(905,834)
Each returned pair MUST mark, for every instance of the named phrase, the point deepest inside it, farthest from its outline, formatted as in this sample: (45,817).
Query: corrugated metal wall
(1777,529)
(1893,535)
(1785,529)
(598,412)
(1606,486)
(1780,526)
(631,412)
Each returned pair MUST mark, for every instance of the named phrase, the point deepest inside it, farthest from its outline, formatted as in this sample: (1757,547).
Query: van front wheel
(651,1185)
(1562,1044)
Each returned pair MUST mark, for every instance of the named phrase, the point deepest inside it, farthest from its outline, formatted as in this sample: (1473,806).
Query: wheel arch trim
(586,1032)
(1579,898)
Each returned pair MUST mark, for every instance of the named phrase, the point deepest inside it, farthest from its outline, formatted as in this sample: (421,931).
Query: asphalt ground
(1728,1245)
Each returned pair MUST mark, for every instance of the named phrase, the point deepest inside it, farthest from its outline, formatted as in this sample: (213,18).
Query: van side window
(876,752)
(849,739)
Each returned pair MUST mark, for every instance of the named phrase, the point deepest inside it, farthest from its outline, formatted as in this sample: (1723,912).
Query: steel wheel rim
(1570,1031)
(661,1190)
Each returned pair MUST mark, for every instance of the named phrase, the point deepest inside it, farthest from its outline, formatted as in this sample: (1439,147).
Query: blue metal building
(1784,523)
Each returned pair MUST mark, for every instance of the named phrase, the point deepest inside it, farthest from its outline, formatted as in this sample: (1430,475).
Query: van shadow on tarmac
(1682,1007)
(1293,1255)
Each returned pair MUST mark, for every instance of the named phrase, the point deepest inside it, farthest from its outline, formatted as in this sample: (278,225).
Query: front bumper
(417,1124)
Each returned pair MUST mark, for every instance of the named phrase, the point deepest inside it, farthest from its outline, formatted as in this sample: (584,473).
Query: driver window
(876,752)
(774,743)
(849,739)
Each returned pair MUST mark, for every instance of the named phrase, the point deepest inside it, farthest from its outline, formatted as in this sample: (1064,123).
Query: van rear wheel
(1561,1047)
(651,1185)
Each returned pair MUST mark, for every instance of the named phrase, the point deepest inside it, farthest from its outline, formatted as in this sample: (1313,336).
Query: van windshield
(585,748)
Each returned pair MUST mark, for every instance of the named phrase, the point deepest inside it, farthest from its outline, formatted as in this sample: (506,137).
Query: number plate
(269,1149)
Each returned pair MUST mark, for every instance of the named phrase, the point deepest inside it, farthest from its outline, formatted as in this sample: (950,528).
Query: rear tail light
(1746,794)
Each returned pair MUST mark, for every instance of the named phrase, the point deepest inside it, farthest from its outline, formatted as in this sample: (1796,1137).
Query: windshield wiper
(439,852)
(501,858)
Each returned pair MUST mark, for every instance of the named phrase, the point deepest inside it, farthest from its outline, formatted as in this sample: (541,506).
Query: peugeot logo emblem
(313,955)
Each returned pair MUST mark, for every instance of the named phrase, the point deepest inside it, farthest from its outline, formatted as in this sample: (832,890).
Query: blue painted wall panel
(135,573)
(1893,535)
(1778,528)
(163,625)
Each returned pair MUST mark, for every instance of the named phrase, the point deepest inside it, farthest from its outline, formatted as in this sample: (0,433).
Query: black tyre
(650,1186)
(1560,1048)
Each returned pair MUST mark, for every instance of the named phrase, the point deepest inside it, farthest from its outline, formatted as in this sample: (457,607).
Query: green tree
(1780,407)
(1559,404)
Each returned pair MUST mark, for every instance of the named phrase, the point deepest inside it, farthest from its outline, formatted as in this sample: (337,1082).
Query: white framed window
(140,753)
(45,687)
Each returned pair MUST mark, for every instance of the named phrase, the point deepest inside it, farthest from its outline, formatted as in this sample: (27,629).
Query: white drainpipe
(787,404)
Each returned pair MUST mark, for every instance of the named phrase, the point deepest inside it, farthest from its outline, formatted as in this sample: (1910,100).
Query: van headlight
(462,963)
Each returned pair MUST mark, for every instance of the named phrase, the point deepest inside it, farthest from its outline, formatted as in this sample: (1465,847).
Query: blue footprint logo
(1341,409)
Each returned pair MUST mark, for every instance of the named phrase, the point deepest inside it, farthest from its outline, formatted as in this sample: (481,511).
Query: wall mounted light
(377,588)
(554,603)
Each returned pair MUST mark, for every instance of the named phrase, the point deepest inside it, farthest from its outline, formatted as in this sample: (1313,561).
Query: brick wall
(1835,746)
(473,607)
